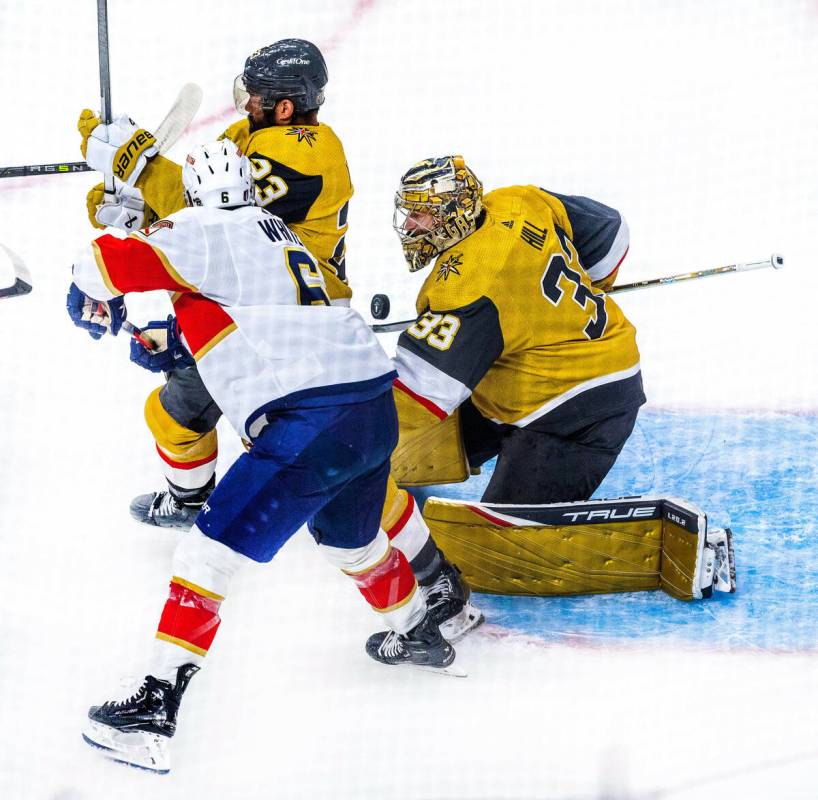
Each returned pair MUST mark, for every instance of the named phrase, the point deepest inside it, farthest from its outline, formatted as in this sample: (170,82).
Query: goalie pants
(542,465)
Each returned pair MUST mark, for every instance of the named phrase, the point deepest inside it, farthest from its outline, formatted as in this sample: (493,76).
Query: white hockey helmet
(218,175)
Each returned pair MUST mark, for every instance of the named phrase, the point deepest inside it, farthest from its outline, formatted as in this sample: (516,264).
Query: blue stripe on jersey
(594,227)
(336,394)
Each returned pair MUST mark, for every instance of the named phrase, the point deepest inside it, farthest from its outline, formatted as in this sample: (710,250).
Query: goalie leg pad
(621,545)
(430,450)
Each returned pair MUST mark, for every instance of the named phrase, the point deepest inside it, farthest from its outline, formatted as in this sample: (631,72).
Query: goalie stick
(22,277)
(776,261)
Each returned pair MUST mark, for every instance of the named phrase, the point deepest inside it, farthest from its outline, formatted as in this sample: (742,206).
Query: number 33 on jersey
(510,315)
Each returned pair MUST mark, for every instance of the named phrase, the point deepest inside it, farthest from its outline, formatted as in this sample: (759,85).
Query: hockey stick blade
(181,114)
(169,130)
(22,277)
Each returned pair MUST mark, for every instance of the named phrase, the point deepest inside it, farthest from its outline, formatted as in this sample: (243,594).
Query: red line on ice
(359,11)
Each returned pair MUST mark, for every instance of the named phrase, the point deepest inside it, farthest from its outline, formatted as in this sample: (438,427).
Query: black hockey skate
(164,510)
(136,730)
(449,601)
(423,647)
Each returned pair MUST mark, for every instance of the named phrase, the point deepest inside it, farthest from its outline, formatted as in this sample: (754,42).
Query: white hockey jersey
(252,308)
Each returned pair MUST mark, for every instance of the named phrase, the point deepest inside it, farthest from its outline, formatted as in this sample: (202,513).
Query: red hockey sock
(389,584)
(190,618)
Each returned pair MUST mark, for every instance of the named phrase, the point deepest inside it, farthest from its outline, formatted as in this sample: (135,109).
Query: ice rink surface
(698,120)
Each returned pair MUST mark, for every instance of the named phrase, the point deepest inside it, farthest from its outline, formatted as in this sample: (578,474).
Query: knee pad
(177,440)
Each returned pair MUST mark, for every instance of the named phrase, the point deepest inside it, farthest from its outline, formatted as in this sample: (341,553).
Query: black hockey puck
(379,306)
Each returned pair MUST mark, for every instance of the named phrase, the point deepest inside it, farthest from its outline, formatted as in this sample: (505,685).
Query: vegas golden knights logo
(449,267)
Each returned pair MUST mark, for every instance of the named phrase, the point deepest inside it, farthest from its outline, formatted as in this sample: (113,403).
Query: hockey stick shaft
(104,77)
(104,61)
(130,328)
(170,129)
(29,170)
(775,261)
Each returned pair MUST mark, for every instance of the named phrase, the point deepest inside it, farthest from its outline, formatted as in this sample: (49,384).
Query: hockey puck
(379,307)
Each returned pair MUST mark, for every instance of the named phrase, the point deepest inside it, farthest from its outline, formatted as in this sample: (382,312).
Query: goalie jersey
(512,316)
(301,175)
(253,308)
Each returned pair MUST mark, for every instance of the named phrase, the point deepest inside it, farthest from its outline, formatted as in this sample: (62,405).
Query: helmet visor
(240,95)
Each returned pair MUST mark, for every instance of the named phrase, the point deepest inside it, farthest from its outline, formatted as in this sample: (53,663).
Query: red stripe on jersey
(403,519)
(427,404)
(185,464)
(189,619)
(496,520)
(202,321)
(387,585)
(134,266)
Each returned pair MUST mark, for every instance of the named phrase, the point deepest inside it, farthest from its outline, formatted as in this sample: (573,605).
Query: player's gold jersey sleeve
(301,175)
(161,186)
(555,338)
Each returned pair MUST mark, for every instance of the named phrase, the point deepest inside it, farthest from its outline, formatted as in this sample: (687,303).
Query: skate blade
(460,624)
(451,671)
(146,751)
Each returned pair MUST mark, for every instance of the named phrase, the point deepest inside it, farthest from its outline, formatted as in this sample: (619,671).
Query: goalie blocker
(626,544)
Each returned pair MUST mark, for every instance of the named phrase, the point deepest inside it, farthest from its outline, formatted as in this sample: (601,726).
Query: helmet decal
(437,205)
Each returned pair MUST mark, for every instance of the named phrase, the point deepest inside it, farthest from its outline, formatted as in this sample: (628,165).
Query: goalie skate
(449,603)
(720,541)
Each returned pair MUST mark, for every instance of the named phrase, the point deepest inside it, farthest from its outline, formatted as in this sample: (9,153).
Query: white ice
(697,119)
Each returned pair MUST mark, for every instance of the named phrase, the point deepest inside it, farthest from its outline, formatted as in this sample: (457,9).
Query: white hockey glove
(121,149)
(125,210)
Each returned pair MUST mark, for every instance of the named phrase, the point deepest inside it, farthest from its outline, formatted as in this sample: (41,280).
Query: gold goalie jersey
(510,316)
(301,175)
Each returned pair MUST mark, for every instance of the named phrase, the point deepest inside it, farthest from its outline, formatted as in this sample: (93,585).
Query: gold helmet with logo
(437,204)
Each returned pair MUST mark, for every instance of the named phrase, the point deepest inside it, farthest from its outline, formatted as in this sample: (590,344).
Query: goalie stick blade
(181,114)
(22,277)
(392,327)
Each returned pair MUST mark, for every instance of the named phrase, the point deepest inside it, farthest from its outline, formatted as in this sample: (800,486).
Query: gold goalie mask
(437,204)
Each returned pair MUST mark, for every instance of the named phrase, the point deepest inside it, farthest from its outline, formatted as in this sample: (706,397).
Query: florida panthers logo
(449,266)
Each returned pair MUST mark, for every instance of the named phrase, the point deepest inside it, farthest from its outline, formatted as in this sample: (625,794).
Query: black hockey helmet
(291,68)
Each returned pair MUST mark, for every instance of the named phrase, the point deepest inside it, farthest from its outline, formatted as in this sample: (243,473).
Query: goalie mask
(291,68)
(217,175)
(437,204)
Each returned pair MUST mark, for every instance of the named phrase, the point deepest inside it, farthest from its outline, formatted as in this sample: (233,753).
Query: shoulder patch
(157,226)
(303,135)
(449,267)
